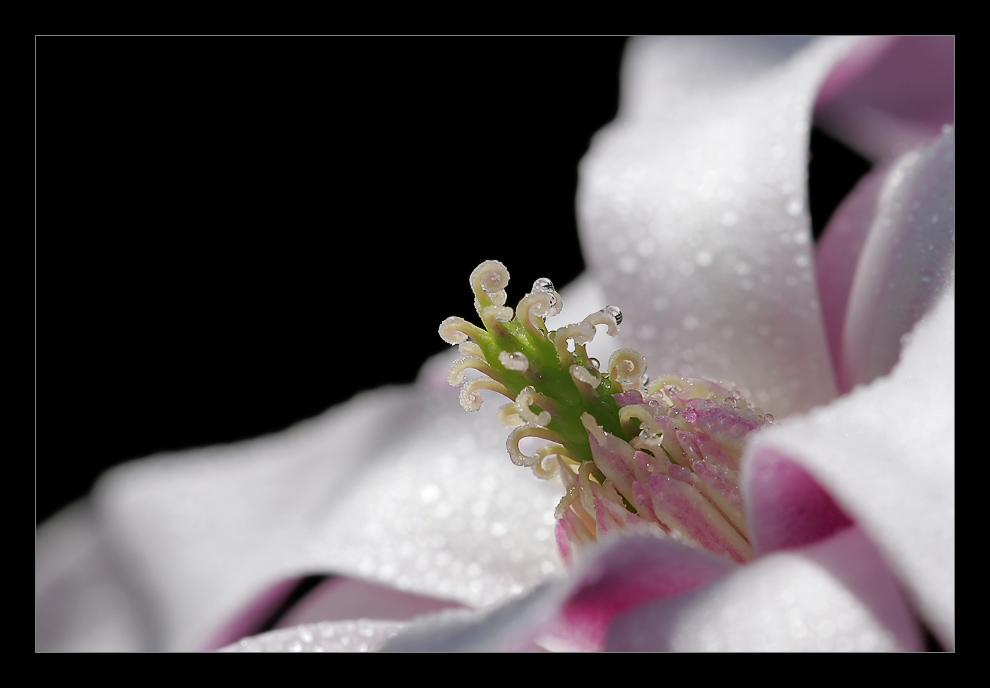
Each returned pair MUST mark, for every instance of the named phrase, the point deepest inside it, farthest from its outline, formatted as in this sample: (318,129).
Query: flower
(694,217)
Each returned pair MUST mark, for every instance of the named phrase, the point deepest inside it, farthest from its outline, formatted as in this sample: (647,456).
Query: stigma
(632,454)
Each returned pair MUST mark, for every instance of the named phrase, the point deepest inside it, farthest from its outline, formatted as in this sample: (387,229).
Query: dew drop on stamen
(543,284)
(614,312)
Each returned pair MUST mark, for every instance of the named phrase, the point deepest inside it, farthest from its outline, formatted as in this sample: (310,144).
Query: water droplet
(768,419)
(614,312)
(543,284)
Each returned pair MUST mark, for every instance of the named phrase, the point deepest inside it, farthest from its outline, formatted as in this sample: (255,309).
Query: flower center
(633,454)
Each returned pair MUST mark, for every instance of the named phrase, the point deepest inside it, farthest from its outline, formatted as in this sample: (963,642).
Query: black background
(231,230)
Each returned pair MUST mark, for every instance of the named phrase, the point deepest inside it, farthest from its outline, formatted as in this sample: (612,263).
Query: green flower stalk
(632,454)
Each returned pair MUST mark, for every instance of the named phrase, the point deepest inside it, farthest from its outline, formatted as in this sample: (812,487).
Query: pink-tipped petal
(835,595)
(886,455)
(573,613)
(787,508)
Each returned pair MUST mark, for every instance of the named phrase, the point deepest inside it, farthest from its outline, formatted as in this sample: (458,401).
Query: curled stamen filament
(515,360)
(458,368)
(628,414)
(581,333)
(610,316)
(522,431)
(508,415)
(590,377)
(549,462)
(470,348)
(494,316)
(627,366)
(534,307)
(488,282)
(456,330)
(471,398)
(528,397)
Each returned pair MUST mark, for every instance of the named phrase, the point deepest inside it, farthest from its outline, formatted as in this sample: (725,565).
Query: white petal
(82,600)
(694,212)
(885,453)
(835,596)
(398,486)
(336,636)
(907,260)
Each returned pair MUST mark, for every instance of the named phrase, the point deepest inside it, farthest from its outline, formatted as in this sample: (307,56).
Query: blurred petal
(82,600)
(891,94)
(885,455)
(835,595)
(331,636)
(694,212)
(340,599)
(398,486)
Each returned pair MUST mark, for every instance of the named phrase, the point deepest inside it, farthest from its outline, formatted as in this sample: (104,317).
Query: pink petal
(694,212)
(892,94)
(835,595)
(573,613)
(885,454)
(787,508)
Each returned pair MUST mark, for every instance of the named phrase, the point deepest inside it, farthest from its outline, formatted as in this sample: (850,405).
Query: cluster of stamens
(660,455)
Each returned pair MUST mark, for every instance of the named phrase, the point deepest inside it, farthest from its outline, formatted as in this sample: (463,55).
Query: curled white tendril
(471,398)
(471,349)
(508,415)
(451,330)
(494,316)
(488,282)
(538,305)
(527,397)
(610,316)
(647,423)
(458,368)
(588,376)
(627,366)
(521,432)
(550,459)
(515,360)
(580,333)
(455,330)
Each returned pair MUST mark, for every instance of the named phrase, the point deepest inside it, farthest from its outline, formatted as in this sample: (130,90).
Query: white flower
(694,216)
